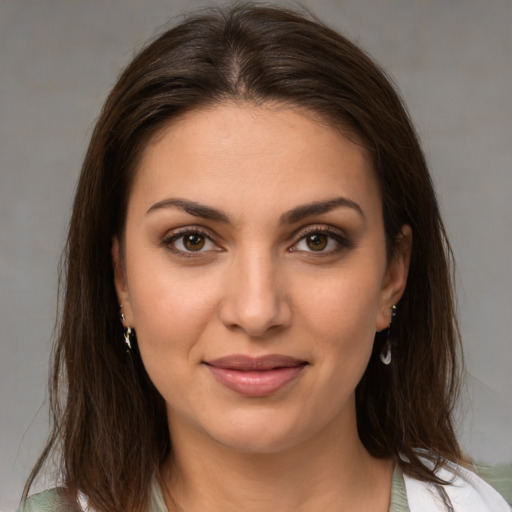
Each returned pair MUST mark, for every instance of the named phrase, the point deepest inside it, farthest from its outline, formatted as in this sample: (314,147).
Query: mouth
(256,376)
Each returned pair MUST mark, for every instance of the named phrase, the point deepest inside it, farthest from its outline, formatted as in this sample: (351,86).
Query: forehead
(244,154)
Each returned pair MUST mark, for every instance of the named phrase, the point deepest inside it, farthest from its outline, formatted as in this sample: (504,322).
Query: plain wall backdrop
(452,61)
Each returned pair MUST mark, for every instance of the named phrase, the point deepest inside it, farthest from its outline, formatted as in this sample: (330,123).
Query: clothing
(468,492)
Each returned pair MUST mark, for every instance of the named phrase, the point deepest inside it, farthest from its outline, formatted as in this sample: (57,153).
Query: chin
(259,436)
(257,444)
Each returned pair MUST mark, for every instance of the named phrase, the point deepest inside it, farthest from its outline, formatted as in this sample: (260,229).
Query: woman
(258,311)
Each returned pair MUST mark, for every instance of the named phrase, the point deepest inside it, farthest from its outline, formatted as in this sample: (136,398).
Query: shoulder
(57,500)
(466,491)
(499,477)
(53,500)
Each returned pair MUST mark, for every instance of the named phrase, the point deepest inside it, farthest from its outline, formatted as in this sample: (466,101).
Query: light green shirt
(54,500)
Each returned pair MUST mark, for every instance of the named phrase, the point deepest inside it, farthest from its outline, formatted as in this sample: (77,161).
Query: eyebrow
(318,208)
(295,215)
(192,208)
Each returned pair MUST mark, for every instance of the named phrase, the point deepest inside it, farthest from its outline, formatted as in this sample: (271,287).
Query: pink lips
(255,377)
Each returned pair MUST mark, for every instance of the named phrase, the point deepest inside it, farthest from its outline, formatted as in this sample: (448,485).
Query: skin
(258,285)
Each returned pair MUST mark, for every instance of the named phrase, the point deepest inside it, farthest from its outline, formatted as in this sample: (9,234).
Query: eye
(321,241)
(316,241)
(189,242)
(192,241)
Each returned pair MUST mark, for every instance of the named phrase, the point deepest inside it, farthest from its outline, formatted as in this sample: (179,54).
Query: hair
(110,429)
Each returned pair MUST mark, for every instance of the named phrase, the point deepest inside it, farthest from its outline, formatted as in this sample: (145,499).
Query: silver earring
(385,355)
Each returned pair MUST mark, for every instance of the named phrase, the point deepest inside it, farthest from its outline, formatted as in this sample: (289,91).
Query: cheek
(171,320)
(347,301)
(341,317)
(160,290)
(170,308)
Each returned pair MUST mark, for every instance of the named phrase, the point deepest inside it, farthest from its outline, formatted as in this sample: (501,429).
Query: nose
(255,297)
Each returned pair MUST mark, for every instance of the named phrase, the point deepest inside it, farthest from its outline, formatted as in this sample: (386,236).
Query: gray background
(453,63)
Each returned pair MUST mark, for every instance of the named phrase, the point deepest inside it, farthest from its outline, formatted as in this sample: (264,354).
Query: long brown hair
(109,422)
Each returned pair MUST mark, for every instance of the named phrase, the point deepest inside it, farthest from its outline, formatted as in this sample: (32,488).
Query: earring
(385,355)
(126,330)
(127,336)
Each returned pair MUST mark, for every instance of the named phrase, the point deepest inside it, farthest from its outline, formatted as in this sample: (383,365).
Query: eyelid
(337,234)
(175,234)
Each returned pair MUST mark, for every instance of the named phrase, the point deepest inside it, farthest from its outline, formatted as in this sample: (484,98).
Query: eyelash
(168,241)
(342,241)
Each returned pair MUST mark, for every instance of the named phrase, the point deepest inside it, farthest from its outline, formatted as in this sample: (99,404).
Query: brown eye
(322,241)
(193,242)
(190,243)
(317,241)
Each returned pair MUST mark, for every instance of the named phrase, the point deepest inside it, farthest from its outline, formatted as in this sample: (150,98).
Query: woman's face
(255,274)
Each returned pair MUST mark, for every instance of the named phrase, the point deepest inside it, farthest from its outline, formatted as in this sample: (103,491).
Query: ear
(120,282)
(395,278)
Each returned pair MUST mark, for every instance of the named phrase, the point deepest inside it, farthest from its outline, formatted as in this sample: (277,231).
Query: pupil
(194,242)
(317,242)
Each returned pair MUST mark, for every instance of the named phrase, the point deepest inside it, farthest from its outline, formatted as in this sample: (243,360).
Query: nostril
(254,301)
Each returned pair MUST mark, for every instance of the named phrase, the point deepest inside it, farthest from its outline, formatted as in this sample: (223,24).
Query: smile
(256,377)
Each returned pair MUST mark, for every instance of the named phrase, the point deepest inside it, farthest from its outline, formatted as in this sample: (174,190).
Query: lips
(256,377)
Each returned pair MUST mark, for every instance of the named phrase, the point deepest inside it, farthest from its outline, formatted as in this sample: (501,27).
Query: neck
(328,472)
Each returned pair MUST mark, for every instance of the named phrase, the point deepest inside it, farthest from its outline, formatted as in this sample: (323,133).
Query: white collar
(466,492)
